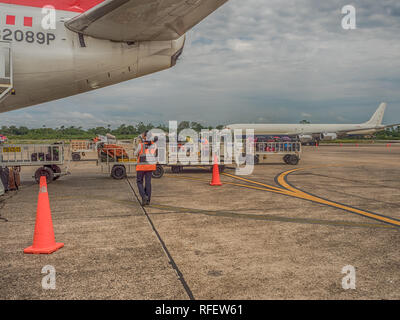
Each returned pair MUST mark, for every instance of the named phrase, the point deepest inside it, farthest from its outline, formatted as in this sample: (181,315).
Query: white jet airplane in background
(51,49)
(310,132)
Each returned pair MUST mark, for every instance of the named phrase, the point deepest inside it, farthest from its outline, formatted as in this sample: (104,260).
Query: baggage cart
(47,157)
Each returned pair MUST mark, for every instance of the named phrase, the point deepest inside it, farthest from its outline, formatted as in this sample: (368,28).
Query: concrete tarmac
(253,239)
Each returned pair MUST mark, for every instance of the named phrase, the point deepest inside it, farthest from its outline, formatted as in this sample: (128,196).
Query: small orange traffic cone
(215,181)
(43,238)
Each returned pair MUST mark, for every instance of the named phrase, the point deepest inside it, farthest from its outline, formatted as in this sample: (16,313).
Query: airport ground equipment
(289,151)
(44,241)
(48,157)
(215,179)
(118,160)
(79,148)
(3,184)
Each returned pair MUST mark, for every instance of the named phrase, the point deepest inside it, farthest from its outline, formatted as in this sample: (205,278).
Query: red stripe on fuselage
(66,5)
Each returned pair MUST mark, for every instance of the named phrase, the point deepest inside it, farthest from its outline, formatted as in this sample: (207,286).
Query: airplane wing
(358,129)
(141,20)
(370,128)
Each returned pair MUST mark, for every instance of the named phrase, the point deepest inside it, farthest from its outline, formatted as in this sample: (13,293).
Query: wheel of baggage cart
(118,172)
(44,171)
(158,173)
(76,156)
(56,169)
(293,160)
(286,158)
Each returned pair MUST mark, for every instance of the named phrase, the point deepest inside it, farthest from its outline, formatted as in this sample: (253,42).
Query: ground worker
(146,164)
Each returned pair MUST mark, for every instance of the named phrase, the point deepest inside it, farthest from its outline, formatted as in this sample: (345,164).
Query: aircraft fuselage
(300,129)
(50,64)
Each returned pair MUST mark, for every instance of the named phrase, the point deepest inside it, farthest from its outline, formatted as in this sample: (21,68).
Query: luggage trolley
(193,159)
(79,148)
(48,157)
(289,151)
(117,161)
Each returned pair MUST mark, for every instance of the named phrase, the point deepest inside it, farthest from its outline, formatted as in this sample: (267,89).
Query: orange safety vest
(142,165)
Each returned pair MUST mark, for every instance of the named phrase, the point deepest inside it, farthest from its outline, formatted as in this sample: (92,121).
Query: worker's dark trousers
(139,180)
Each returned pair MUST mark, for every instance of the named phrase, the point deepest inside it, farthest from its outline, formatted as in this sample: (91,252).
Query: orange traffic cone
(215,181)
(43,238)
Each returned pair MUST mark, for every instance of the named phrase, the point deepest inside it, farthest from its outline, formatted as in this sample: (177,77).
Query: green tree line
(122,132)
(125,131)
(389,133)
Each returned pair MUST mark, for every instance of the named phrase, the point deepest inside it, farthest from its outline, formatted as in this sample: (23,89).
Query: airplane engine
(306,138)
(328,136)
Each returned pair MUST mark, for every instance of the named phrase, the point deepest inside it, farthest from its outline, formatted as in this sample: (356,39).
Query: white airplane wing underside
(141,20)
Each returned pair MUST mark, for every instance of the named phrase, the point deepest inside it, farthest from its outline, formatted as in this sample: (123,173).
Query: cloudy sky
(257,61)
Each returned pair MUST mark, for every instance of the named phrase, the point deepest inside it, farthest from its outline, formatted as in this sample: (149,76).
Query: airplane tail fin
(376,119)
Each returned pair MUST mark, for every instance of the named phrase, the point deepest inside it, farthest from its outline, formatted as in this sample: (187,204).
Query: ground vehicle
(118,160)
(48,157)
(111,151)
(289,150)
(79,148)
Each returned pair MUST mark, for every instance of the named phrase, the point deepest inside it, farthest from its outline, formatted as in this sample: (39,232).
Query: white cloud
(79,115)
(239,45)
